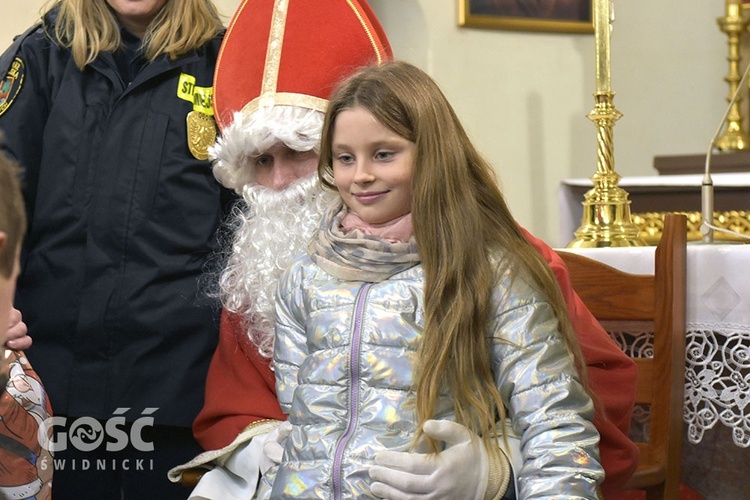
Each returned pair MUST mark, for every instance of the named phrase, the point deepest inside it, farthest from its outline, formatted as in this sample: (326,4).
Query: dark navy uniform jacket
(122,220)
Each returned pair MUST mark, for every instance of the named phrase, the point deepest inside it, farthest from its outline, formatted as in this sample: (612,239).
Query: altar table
(717,369)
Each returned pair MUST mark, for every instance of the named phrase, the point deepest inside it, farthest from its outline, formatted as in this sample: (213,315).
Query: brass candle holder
(733,24)
(606,208)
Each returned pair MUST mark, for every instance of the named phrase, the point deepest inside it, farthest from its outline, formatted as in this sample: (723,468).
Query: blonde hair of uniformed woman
(88,27)
(460,221)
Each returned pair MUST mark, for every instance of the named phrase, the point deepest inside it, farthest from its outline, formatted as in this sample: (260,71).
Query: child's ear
(3,239)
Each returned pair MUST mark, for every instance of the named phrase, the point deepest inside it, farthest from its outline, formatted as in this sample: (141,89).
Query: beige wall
(524,96)
(17,16)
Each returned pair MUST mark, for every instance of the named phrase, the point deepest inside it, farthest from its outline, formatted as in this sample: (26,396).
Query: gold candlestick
(606,208)
(733,24)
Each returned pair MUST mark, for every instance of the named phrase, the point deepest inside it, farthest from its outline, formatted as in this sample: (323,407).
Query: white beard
(270,229)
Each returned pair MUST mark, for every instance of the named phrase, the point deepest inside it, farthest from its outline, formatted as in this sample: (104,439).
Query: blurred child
(418,307)
(25,464)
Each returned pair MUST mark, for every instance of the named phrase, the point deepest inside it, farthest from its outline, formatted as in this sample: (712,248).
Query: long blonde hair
(88,27)
(460,221)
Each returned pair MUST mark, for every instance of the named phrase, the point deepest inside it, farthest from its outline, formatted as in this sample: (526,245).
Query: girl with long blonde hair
(419,302)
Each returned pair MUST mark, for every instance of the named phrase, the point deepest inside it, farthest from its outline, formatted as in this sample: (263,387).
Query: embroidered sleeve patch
(11,84)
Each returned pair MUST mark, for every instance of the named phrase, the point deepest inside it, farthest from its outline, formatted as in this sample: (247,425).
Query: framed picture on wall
(562,16)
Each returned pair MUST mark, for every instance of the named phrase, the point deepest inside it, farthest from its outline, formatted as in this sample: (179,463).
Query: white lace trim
(717,376)
(717,380)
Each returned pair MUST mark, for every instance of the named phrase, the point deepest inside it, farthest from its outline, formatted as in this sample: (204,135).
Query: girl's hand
(17,336)
(461,470)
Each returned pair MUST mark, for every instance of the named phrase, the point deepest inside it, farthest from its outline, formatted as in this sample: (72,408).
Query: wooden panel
(643,392)
(632,299)
(734,161)
(613,295)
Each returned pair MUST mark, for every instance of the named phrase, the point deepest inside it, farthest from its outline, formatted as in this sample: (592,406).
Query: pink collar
(396,230)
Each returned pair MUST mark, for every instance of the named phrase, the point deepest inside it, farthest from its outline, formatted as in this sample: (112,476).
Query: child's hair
(461,220)
(12,214)
(88,27)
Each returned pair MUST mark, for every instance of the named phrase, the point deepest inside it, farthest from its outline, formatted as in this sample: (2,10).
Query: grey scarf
(355,256)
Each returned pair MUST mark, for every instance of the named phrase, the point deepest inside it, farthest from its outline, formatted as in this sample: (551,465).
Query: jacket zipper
(354,353)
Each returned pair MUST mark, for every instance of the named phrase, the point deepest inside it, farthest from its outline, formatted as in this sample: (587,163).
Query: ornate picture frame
(558,16)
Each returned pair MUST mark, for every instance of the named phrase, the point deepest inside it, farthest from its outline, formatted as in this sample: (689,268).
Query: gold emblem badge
(201,133)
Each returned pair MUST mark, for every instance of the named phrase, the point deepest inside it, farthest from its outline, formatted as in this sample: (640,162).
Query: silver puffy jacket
(344,364)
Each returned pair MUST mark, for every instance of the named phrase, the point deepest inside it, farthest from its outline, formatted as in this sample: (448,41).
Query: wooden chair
(615,296)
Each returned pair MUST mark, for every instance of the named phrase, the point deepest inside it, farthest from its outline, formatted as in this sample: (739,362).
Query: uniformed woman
(107,106)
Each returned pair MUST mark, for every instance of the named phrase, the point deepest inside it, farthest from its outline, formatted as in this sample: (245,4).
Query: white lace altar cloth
(717,358)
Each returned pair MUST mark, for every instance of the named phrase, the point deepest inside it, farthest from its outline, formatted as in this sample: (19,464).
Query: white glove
(272,449)
(460,471)
(236,479)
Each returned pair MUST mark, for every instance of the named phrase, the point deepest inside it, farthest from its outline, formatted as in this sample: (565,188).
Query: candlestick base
(606,219)
(733,140)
